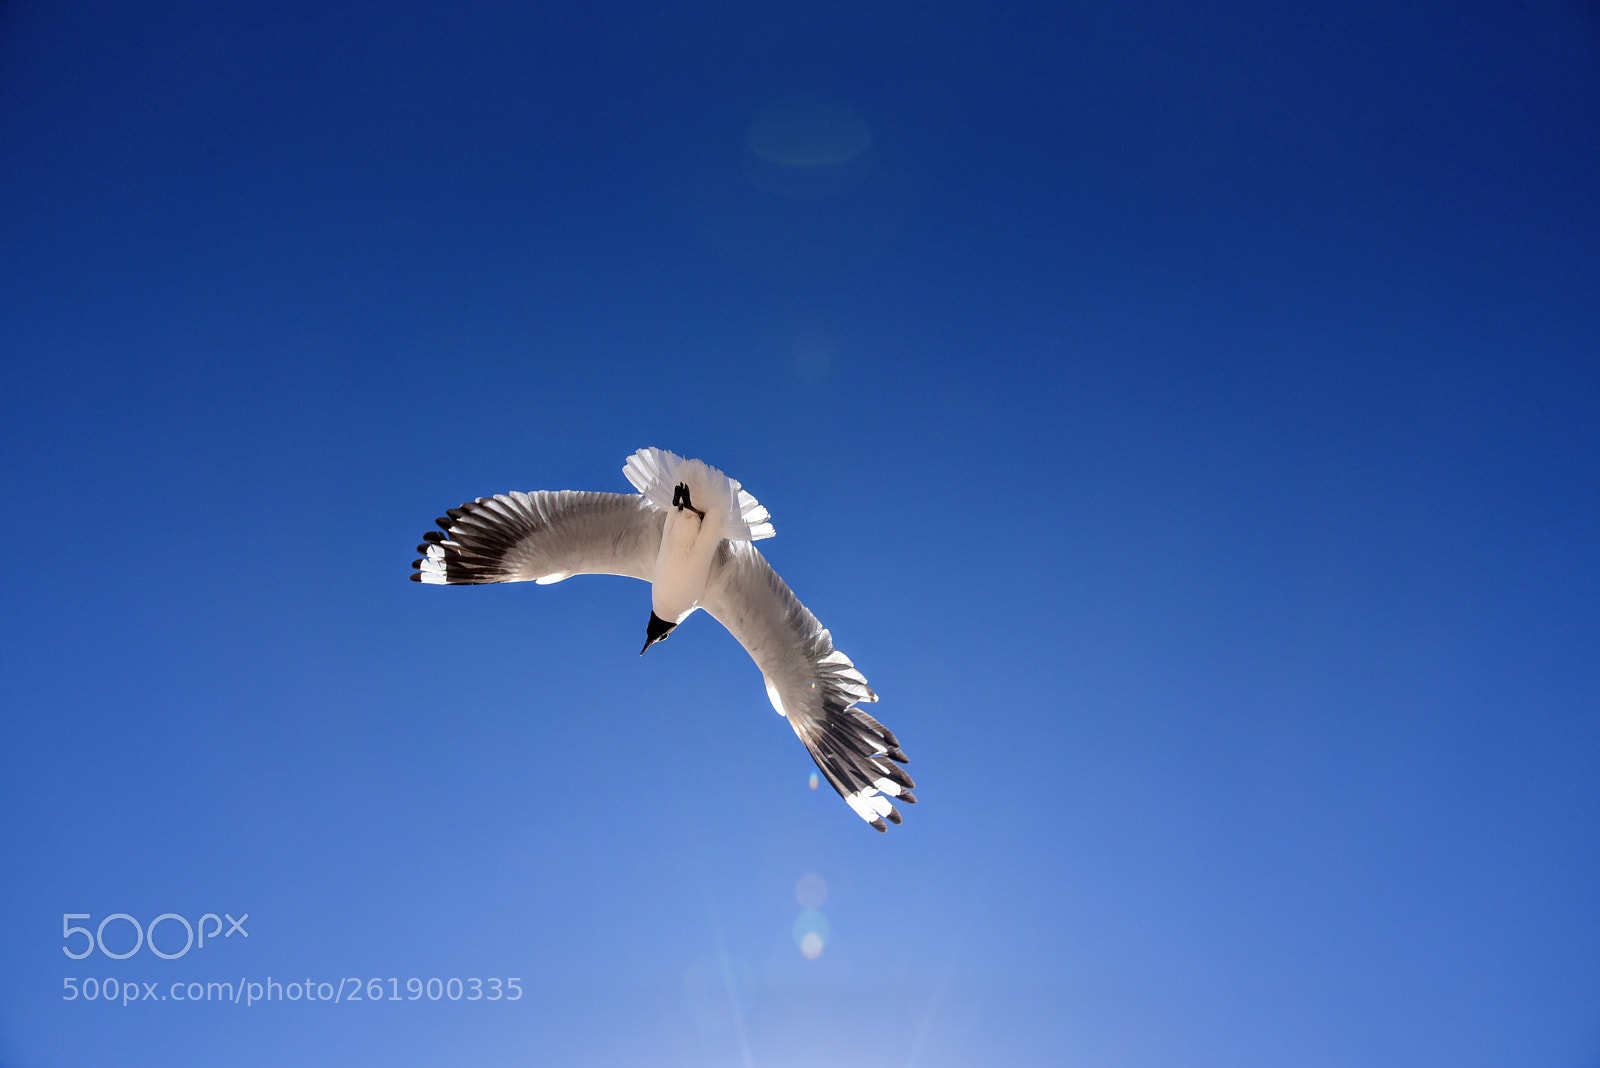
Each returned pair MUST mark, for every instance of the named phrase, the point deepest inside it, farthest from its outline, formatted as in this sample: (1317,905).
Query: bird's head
(655,631)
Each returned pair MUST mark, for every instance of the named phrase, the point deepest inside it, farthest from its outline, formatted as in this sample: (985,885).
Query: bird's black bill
(656,630)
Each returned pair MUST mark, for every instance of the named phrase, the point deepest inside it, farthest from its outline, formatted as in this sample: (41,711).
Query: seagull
(690,533)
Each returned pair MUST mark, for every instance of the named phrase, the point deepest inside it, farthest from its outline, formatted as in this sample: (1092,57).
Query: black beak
(655,631)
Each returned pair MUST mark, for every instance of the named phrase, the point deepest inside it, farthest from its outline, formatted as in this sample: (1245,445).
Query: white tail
(657,473)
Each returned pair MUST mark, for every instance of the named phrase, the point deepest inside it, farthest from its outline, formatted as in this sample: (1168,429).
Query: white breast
(688,546)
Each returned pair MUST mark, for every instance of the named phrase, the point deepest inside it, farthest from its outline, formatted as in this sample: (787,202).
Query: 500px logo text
(146,935)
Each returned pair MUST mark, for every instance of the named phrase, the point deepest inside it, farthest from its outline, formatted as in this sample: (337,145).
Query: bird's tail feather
(657,473)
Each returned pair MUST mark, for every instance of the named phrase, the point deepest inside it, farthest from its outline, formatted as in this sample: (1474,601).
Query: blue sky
(1185,417)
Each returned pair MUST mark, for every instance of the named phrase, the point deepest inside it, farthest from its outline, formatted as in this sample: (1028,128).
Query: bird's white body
(693,531)
(689,532)
(688,544)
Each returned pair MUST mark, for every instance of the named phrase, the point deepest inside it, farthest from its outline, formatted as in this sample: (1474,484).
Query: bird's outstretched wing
(812,684)
(544,536)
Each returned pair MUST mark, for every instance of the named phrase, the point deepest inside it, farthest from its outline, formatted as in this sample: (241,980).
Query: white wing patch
(430,568)
(870,805)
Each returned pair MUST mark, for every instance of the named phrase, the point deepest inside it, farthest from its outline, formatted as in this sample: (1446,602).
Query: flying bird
(690,533)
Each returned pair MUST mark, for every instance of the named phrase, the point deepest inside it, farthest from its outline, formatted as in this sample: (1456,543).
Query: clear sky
(1186,416)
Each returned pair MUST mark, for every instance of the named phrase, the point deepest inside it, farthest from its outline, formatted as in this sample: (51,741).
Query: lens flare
(806,148)
(811,891)
(809,132)
(810,933)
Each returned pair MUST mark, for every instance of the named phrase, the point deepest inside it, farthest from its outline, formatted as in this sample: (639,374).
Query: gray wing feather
(814,685)
(544,536)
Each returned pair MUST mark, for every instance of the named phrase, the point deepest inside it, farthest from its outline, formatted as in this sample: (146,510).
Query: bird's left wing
(809,682)
(544,536)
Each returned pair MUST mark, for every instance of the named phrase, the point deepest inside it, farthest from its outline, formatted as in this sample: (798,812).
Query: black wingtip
(878,825)
(414,577)
(901,778)
(894,815)
(907,796)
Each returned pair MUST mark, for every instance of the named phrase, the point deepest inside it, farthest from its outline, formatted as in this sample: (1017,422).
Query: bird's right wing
(809,682)
(544,536)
